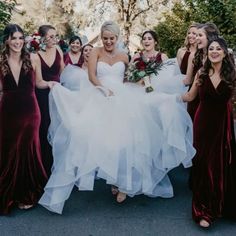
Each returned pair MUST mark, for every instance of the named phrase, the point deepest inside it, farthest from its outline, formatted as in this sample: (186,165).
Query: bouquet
(33,43)
(143,68)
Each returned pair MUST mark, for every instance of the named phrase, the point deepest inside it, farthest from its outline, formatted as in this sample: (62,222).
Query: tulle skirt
(131,140)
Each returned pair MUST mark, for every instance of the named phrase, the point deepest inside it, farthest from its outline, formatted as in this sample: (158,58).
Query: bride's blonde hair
(110,26)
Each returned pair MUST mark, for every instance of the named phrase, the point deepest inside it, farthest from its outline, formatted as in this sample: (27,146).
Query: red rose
(141,65)
(34,45)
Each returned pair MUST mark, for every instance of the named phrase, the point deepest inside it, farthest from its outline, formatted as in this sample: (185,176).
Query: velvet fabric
(184,63)
(22,176)
(67,60)
(49,73)
(193,105)
(214,166)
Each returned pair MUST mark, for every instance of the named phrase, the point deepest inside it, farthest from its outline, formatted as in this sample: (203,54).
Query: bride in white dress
(113,131)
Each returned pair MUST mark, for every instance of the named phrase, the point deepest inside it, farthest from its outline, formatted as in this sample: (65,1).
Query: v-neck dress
(214,166)
(22,176)
(49,73)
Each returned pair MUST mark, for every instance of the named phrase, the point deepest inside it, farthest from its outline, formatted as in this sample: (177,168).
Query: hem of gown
(52,202)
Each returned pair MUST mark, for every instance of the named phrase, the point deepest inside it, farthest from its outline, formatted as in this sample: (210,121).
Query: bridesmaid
(85,52)
(74,77)
(190,47)
(22,176)
(205,33)
(52,64)
(74,56)
(214,166)
(150,44)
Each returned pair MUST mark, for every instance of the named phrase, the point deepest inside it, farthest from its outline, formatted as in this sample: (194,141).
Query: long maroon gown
(49,73)
(184,62)
(214,166)
(22,176)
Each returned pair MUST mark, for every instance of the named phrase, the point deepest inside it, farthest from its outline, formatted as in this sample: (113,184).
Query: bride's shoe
(121,197)
(24,207)
(203,223)
(114,190)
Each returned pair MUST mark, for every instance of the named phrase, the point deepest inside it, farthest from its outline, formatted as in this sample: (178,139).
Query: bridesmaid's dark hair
(228,72)
(75,37)
(154,35)
(81,60)
(8,32)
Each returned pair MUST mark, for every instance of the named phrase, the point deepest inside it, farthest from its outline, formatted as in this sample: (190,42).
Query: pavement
(96,213)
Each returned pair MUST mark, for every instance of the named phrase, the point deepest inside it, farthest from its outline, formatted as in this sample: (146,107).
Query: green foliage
(5,12)
(172,31)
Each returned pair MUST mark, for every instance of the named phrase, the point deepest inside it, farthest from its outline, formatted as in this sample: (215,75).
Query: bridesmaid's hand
(186,82)
(51,84)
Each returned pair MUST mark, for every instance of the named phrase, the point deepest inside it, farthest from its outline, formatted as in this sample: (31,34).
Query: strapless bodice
(115,71)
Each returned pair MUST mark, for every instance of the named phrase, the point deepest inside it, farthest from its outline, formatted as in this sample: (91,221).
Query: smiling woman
(214,166)
(52,64)
(22,176)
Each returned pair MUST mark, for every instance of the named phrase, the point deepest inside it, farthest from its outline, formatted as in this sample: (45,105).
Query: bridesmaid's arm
(179,56)
(62,64)
(1,89)
(36,64)
(164,57)
(189,72)
(192,93)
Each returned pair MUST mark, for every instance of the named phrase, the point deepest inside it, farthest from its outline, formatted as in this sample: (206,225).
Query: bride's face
(148,42)
(109,40)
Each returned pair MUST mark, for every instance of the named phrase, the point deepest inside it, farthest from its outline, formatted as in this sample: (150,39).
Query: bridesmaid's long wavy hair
(228,72)
(211,32)
(8,32)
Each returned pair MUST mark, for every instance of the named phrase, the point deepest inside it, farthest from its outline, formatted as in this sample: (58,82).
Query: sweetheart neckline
(112,64)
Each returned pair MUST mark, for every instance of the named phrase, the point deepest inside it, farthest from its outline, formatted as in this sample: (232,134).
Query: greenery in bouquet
(142,67)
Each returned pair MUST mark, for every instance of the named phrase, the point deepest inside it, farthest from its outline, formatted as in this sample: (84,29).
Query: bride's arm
(92,67)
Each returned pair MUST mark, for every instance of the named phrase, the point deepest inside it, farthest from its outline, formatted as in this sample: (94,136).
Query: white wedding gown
(131,139)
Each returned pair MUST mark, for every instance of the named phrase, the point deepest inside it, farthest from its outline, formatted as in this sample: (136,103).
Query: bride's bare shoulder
(123,57)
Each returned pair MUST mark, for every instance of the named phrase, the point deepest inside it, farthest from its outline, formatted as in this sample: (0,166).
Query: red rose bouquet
(33,43)
(142,68)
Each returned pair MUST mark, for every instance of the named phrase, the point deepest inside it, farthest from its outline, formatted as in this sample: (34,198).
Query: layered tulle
(123,139)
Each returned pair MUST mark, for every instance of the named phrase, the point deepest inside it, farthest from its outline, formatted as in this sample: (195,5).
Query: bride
(112,131)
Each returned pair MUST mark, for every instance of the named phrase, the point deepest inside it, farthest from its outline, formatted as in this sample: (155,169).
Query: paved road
(97,214)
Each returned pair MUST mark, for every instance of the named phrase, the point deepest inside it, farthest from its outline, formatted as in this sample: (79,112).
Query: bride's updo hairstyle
(112,27)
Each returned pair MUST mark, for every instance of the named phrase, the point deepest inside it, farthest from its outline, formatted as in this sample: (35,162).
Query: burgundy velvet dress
(22,176)
(193,105)
(214,166)
(49,73)
(67,60)
(184,63)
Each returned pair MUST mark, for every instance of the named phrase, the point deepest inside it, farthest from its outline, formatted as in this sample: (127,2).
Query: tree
(6,8)
(173,29)
(129,13)
(30,14)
